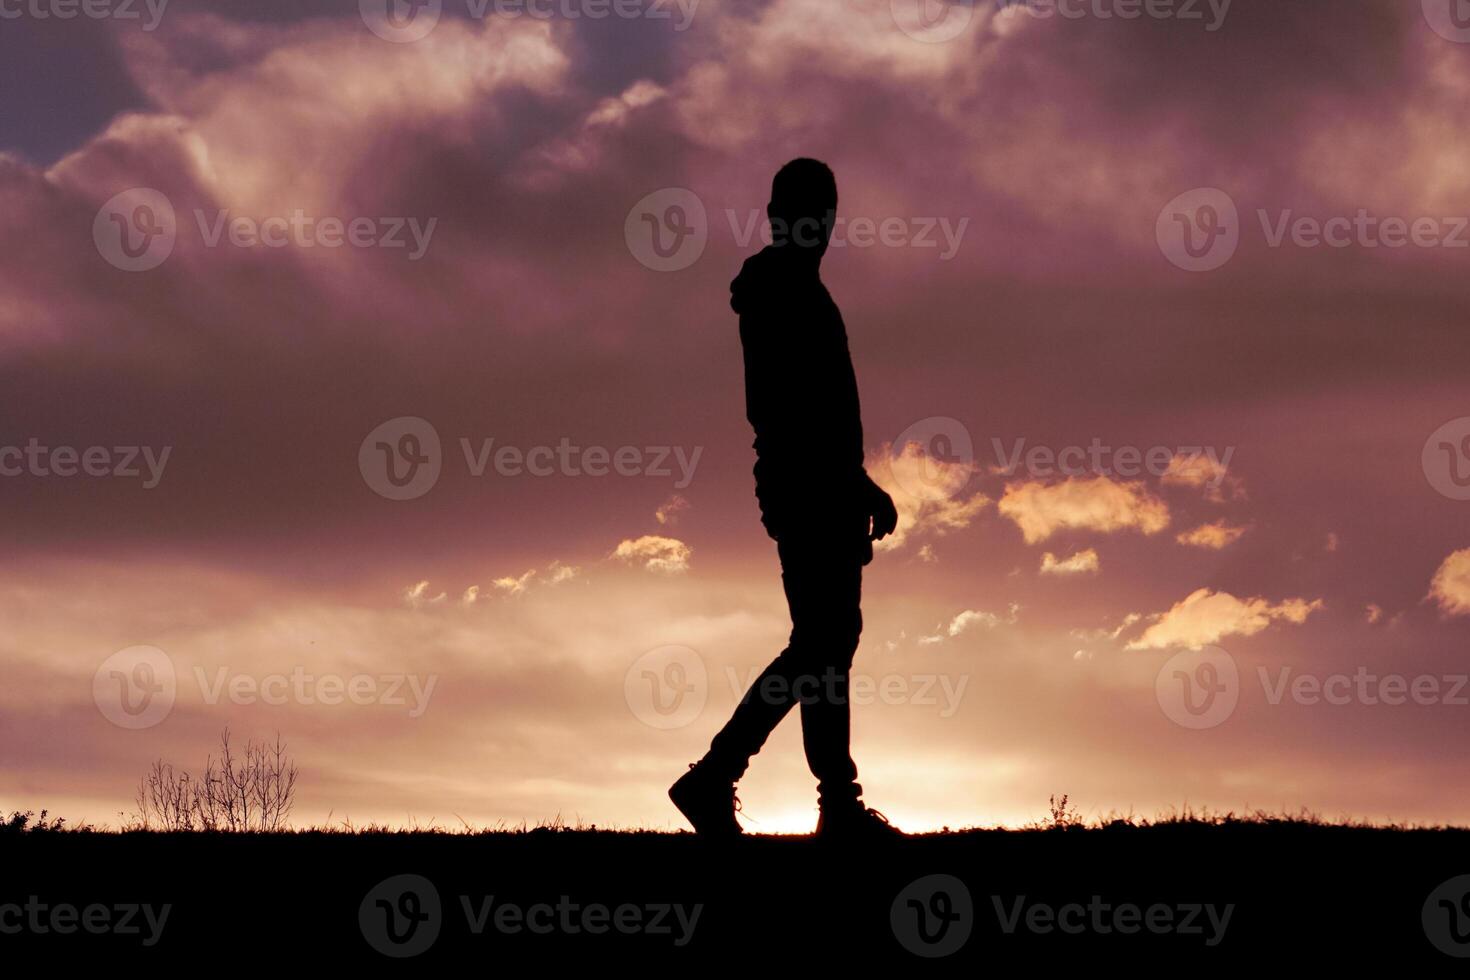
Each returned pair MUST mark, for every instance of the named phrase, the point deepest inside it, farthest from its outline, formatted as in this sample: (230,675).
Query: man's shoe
(707,802)
(855,822)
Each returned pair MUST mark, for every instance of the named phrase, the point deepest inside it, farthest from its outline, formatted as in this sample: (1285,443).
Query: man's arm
(880,504)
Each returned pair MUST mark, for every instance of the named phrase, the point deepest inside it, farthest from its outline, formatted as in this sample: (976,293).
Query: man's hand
(885,515)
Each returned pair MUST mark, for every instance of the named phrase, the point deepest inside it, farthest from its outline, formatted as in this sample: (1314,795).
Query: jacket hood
(755,273)
(766,272)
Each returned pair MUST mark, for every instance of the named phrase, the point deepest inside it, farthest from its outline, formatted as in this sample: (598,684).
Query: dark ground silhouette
(1268,896)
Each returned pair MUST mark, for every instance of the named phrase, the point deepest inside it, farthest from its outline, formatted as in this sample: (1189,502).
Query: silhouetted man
(816,500)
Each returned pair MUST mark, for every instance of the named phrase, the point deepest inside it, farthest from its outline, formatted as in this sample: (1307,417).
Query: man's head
(803,205)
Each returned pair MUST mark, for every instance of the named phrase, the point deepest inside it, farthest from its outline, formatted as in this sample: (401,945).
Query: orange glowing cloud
(1096,504)
(1205,617)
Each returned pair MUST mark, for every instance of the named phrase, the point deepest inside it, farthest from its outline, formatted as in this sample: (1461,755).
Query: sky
(371,381)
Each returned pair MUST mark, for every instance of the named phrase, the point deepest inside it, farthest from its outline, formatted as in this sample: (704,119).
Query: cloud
(926,491)
(1372,613)
(1215,535)
(1205,617)
(1080,563)
(668,512)
(554,574)
(514,584)
(1108,634)
(1451,585)
(417,595)
(1096,504)
(1204,470)
(557,573)
(655,553)
(971,619)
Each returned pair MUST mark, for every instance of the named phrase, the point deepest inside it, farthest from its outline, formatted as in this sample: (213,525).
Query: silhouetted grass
(1297,884)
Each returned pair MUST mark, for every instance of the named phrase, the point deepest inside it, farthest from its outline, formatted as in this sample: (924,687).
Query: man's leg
(827,591)
(823,589)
